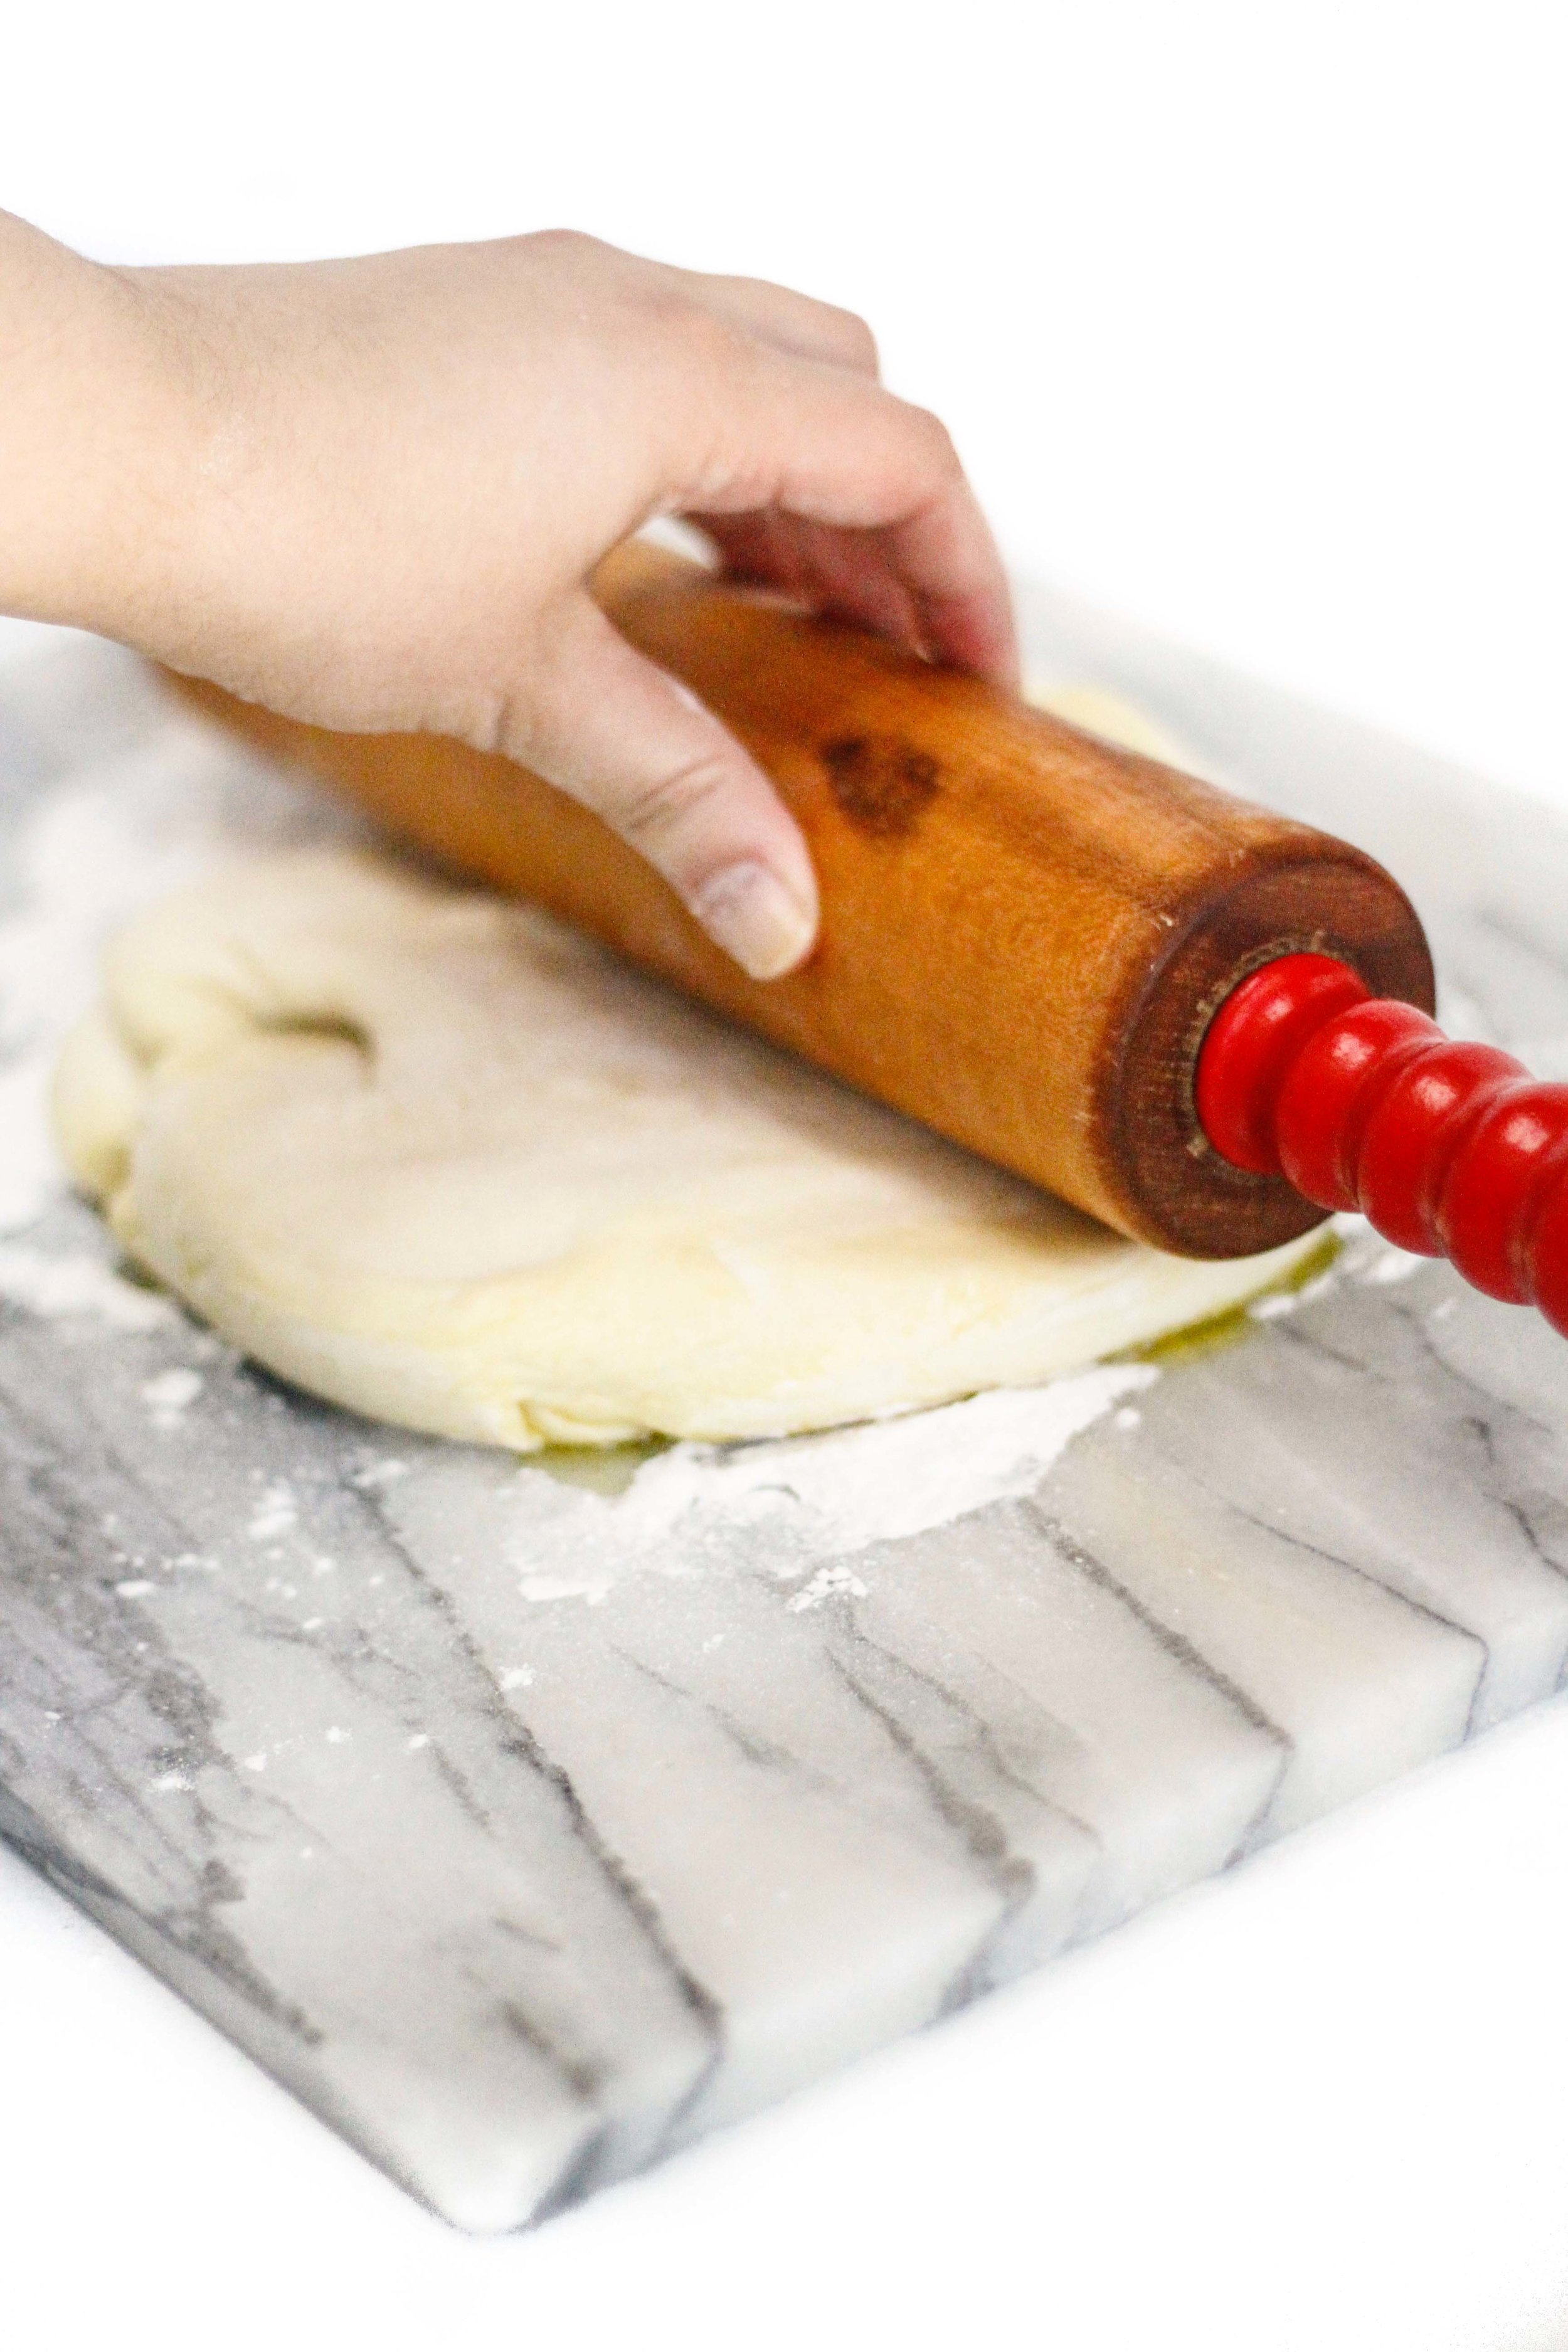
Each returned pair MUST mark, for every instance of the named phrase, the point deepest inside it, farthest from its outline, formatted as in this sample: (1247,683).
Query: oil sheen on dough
(433,1156)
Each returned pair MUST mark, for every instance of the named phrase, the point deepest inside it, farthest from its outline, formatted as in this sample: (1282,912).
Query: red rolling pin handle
(1452,1151)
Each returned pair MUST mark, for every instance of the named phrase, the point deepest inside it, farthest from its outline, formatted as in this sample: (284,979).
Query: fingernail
(753,917)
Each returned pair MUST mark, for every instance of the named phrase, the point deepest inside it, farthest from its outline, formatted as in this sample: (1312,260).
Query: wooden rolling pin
(1024,932)
(1198,1021)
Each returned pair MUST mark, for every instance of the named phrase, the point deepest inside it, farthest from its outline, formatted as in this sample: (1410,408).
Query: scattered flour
(172,1394)
(78,1285)
(826,1583)
(276,1513)
(867,1486)
(819,1499)
(1395,1265)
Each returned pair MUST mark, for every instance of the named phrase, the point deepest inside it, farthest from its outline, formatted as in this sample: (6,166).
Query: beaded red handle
(1453,1150)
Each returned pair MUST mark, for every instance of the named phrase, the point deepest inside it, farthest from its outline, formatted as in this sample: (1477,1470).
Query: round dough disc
(433,1155)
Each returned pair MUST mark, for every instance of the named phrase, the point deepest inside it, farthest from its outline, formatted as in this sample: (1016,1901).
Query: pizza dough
(435,1156)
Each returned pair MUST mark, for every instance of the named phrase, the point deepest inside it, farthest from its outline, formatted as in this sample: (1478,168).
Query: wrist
(91,438)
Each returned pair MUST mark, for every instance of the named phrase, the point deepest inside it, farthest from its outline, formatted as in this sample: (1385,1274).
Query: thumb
(633,744)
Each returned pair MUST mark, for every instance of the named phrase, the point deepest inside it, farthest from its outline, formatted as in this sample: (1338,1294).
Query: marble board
(531,1820)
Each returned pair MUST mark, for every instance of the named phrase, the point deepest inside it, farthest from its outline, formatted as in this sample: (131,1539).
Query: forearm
(89,438)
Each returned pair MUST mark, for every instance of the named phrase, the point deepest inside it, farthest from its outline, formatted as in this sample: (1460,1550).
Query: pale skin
(370,494)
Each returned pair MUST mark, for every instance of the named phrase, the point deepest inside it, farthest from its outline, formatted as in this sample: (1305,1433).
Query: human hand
(370,494)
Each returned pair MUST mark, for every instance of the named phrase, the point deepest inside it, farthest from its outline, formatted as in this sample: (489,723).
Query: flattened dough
(436,1157)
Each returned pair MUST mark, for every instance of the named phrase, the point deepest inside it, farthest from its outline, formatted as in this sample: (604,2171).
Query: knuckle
(933,444)
(650,813)
(494,718)
(859,342)
(560,244)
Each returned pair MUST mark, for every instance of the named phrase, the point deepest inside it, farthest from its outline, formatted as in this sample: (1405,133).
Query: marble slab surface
(530,1822)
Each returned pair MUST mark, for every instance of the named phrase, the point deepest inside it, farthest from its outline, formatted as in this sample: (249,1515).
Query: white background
(1250,319)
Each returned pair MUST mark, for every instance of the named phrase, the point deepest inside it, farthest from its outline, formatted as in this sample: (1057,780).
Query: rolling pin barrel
(1026,931)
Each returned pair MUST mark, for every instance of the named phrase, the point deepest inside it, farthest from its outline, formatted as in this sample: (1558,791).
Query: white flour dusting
(172,1394)
(866,1485)
(1395,1265)
(825,1584)
(817,1499)
(78,1285)
(172,1390)
(276,1514)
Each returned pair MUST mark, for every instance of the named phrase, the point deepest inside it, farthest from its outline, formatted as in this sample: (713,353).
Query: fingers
(634,745)
(870,514)
(845,574)
(944,554)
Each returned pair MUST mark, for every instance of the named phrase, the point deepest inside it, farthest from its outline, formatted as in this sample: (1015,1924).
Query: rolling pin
(1205,1023)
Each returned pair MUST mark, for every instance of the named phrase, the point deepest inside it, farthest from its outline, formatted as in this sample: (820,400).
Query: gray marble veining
(520,1881)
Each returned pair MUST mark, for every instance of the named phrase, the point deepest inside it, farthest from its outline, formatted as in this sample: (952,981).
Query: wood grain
(1025,929)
